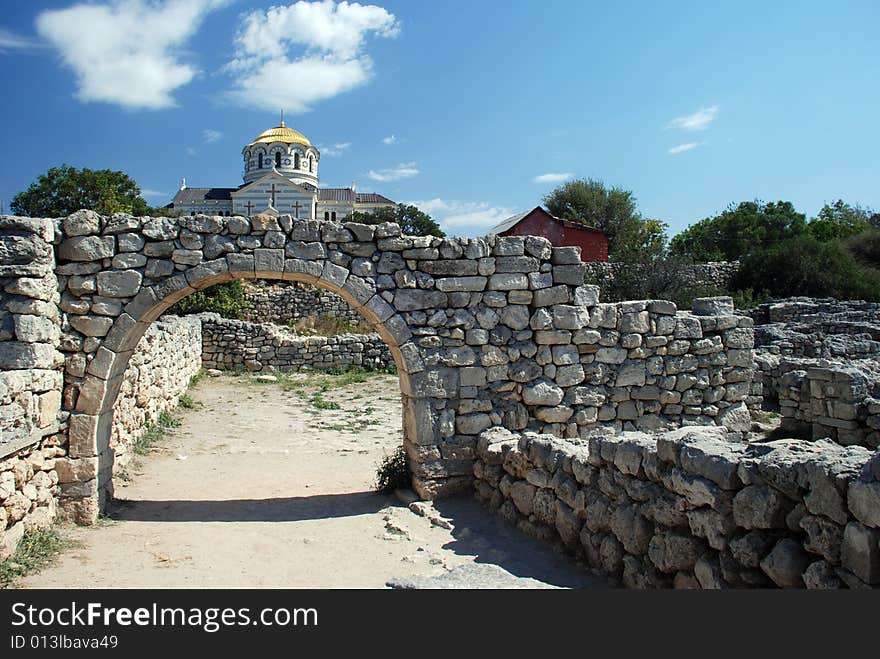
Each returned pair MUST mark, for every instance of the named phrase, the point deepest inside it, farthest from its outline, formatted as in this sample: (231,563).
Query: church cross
(296,206)
(249,205)
(273,195)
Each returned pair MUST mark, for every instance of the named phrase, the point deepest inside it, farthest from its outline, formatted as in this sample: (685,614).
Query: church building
(280,178)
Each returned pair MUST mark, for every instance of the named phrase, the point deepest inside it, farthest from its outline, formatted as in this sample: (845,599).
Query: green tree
(64,190)
(739,230)
(840,220)
(612,210)
(412,221)
(227,299)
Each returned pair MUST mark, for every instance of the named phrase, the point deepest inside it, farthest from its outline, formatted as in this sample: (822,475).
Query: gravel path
(260,488)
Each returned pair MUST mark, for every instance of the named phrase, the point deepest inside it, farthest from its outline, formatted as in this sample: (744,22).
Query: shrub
(225,299)
(805,266)
(865,248)
(393,472)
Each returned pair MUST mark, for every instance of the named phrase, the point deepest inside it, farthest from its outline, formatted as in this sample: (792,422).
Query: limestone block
(87,248)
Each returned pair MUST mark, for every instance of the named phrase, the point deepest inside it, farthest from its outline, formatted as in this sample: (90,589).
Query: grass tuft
(37,549)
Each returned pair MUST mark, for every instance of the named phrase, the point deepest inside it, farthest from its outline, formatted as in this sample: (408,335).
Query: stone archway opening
(116,356)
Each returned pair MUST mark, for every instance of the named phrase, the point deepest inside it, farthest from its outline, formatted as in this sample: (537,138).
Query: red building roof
(561,233)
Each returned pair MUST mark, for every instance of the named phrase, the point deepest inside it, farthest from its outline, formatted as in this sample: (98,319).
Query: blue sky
(473,109)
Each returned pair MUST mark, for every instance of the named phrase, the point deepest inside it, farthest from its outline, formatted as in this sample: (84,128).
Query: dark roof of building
(345,194)
(510,222)
(188,195)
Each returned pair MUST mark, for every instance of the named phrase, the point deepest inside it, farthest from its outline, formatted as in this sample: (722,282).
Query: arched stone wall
(495,331)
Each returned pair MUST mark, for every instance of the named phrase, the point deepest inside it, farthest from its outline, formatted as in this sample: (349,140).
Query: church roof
(188,195)
(345,195)
(281,134)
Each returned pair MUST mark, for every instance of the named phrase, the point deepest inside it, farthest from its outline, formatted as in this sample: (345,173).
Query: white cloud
(699,120)
(11,41)
(391,139)
(210,135)
(296,55)
(553,178)
(402,171)
(335,150)
(470,215)
(190,151)
(147,192)
(127,52)
(681,148)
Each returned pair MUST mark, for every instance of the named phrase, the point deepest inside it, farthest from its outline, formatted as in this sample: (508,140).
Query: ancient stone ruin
(484,333)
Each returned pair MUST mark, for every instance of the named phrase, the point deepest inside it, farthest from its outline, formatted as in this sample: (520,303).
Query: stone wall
(485,331)
(714,275)
(30,365)
(239,345)
(635,365)
(31,424)
(693,508)
(285,303)
(818,361)
(158,374)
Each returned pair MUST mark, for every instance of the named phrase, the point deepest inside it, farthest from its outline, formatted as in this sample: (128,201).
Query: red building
(560,233)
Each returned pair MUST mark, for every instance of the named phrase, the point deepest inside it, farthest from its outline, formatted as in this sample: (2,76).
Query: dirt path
(260,488)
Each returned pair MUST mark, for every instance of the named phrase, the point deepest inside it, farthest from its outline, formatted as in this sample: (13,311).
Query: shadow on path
(481,533)
(286,509)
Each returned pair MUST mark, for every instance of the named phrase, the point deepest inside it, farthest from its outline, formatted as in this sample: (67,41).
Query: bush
(225,299)
(865,248)
(393,472)
(804,266)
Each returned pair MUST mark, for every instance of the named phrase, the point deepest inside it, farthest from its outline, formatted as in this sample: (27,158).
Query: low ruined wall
(30,379)
(828,400)
(285,303)
(693,508)
(714,275)
(158,374)
(239,345)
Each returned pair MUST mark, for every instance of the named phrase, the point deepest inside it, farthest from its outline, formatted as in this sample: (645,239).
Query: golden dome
(281,134)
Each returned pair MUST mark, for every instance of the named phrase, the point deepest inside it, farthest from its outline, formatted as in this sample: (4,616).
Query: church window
(333,217)
(296,161)
(278,159)
(260,161)
(312,164)
(327,216)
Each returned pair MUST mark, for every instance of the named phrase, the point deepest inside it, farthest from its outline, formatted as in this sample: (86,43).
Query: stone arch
(141,266)
(91,421)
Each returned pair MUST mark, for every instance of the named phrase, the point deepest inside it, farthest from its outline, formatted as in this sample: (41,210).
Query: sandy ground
(258,488)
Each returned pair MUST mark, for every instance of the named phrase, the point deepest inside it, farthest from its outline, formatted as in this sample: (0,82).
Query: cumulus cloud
(553,178)
(681,148)
(474,216)
(296,55)
(335,150)
(11,41)
(391,139)
(127,52)
(210,135)
(699,120)
(402,171)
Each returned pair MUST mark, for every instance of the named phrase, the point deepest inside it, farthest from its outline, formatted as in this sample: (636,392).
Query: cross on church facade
(273,195)
(249,206)
(296,208)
